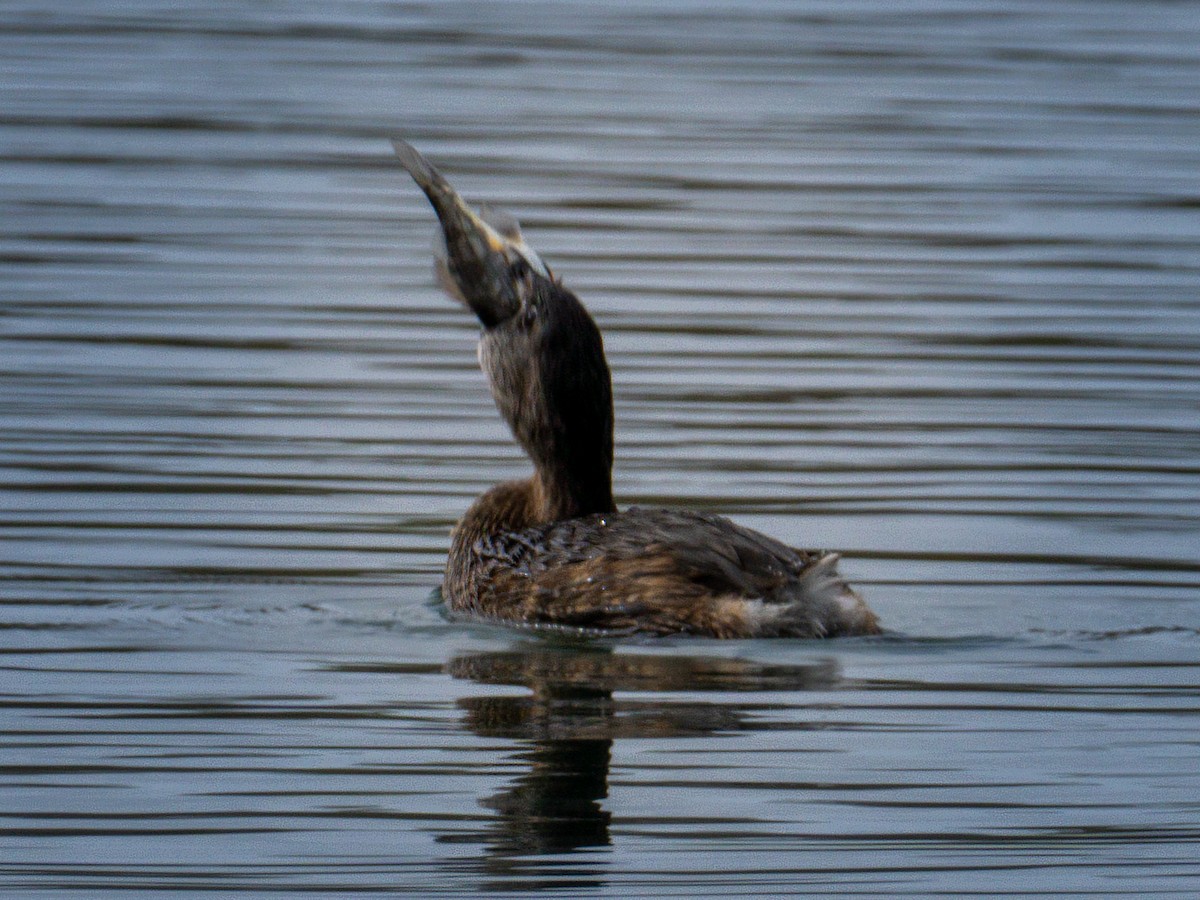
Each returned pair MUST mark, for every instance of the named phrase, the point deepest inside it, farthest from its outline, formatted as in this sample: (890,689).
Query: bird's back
(653,570)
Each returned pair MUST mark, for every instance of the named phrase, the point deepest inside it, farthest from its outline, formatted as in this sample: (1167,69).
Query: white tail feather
(820,604)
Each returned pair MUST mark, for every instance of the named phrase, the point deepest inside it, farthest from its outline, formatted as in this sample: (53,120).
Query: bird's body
(643,569)
(553,549)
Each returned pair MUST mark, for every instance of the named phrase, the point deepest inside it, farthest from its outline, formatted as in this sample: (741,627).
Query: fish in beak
(485,257)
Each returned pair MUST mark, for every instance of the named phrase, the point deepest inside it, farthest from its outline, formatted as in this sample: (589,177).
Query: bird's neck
(557,493)
(551,383)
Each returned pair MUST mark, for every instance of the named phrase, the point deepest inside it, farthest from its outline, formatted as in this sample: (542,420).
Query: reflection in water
(571,718)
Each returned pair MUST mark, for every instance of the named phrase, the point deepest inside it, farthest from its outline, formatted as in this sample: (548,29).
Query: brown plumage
(553,549)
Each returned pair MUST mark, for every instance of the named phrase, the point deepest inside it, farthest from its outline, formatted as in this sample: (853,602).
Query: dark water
(917,281)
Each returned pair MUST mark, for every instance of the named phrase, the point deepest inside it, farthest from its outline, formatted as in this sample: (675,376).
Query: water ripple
(914,282)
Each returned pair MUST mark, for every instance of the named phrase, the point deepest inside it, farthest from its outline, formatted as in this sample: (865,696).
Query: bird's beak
(476,259)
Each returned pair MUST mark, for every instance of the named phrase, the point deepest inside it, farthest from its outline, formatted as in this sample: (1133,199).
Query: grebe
(553,550)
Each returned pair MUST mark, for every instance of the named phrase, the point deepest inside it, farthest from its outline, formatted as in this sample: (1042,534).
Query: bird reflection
(571,718)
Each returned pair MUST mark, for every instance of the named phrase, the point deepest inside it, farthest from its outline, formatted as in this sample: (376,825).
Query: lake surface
(916,281)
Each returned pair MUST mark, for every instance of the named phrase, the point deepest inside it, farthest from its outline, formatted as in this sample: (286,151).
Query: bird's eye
(519,268)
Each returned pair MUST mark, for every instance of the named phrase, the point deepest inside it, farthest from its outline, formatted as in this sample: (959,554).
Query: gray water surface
(916,281)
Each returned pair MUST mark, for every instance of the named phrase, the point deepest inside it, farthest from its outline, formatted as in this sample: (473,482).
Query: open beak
(476,257)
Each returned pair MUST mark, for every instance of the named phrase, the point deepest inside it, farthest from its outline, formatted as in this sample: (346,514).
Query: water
(915,281)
